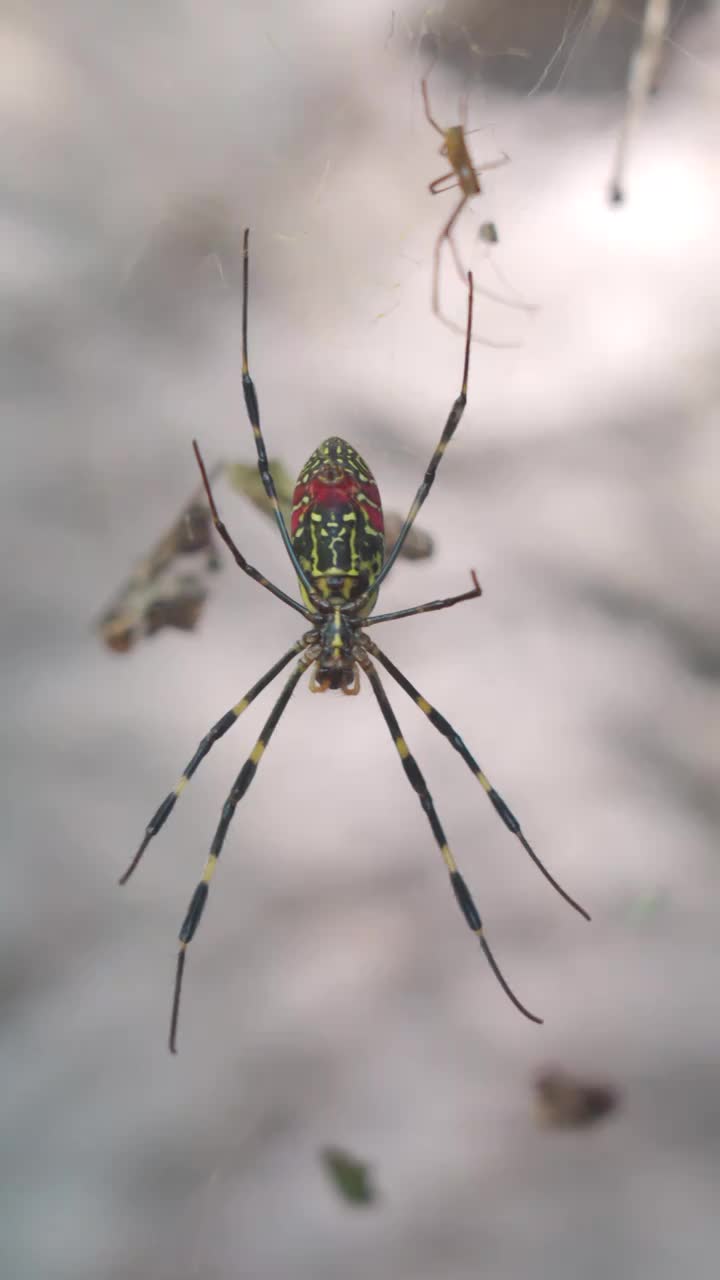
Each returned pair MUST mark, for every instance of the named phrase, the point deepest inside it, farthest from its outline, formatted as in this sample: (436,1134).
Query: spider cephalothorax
(335,647)
(336,546)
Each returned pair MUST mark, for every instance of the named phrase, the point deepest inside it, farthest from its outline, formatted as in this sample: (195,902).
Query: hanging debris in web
(565,1101)
(169,587)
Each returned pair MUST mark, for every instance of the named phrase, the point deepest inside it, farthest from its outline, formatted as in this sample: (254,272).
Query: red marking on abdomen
(323,495)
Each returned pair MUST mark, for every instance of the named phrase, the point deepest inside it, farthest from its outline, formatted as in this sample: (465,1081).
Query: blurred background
(333,995)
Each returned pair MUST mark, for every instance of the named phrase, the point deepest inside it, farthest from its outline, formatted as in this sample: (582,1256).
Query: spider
(336,547)
(466,176)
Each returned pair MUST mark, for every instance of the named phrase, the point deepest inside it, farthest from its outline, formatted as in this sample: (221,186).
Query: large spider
(336,546)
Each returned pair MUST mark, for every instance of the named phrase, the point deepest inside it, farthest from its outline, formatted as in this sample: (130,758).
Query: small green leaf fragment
(350,1177)
(244,478)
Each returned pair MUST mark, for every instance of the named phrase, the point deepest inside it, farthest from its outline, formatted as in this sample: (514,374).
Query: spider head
(335,666)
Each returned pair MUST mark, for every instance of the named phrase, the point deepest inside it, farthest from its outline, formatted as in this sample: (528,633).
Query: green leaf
(350,1176)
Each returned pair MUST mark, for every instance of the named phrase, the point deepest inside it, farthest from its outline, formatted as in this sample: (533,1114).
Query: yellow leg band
(209,868)
(450,862)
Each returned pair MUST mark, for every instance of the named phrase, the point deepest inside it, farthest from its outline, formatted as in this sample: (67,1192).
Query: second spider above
(337,550)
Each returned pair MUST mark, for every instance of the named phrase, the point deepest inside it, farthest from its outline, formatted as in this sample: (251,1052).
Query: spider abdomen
(337,524)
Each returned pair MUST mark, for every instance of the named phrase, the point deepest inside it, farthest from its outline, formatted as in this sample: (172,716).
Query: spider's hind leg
(415,778)
(444,727)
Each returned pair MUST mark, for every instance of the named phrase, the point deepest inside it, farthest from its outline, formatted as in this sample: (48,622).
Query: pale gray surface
(333,993)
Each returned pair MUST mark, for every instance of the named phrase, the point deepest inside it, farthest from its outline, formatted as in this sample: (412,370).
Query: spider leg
(253,411)
(224,723)
(417,782)
(464,112)
(446,234)
(445,728)
(427,608)
(453,419)
(435,187)
(487,165)
(240,786)
(239,557)
(516,304)
(426,101)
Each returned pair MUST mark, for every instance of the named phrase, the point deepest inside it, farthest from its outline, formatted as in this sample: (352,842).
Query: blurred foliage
(244,478)
(350,1177)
